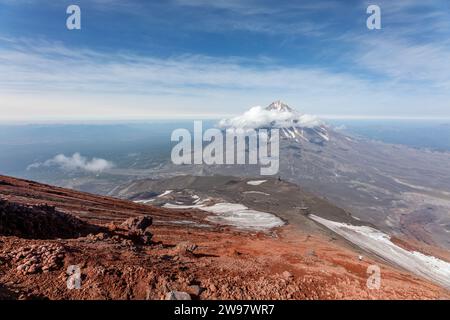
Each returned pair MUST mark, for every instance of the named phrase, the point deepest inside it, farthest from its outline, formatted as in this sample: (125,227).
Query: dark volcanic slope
(284,199)
(397,188)
(89,207)
(39,222)
(303,211)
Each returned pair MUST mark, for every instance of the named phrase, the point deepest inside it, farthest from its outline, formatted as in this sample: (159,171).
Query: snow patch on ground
(180,206)
(236,215)
(143,201)
(256,192)
(184,222)
(256,182)
(165,193)
(380,243)
(240,216)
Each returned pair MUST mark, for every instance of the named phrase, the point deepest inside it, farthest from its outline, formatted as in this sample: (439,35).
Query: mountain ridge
(115,266)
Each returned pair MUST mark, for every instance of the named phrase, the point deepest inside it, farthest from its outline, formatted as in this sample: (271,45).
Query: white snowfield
(182,206)
(236,215)
(375,241)
(256,182)
(144,201)
(165,193)
(240,216)
(256,192)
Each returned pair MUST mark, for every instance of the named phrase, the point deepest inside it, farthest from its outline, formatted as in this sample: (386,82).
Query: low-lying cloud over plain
(74,163)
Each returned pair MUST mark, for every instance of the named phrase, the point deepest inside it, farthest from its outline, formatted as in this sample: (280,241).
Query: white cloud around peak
(258,117)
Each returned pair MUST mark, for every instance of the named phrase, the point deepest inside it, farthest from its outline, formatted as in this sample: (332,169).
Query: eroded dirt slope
(176,250)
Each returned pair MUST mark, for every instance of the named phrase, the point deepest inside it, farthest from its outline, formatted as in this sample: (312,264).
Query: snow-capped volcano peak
(276,115)
(292,124)
(279,106)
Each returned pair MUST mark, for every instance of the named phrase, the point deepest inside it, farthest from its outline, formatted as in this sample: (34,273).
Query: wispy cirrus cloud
(48,79)
(318,57)
(45,65)
(405,62)
(264,17)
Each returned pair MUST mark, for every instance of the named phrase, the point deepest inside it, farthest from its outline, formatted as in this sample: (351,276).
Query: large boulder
(138,229)
(138,223)
(40,222)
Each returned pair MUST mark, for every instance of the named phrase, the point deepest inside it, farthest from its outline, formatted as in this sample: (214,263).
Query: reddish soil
(414,245)
(207,261)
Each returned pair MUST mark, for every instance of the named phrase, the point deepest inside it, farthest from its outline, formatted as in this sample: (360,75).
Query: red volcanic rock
(138,229)
(35,259)
(38,222)
(138,223)
(227,264)
(185,247)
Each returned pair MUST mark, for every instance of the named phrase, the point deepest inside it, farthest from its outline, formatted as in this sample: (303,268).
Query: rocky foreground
(126,250)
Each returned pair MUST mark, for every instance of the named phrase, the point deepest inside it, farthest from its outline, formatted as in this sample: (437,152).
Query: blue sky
(200,58)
